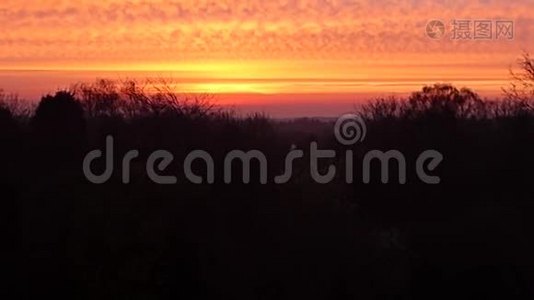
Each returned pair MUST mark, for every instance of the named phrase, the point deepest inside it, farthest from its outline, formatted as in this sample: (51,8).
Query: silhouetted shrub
(9,138)
(439,101)
(132,98)
(59,124)
(296,240)
(6,120)
(521,87)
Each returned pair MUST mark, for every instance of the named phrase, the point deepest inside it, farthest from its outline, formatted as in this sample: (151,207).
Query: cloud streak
(329,39)
(149,30)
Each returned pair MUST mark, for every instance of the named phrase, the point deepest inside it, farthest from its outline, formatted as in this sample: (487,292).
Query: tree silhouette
(522,86)
(470,234)
(6,120)
(59,124)
(435,102)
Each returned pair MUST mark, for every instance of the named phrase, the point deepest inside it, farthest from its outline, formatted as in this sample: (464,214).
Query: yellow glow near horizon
(256,47)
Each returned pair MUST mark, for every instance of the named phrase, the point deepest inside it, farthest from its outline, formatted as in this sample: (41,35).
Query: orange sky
(263,54)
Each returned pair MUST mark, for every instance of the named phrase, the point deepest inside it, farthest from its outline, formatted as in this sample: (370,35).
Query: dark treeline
(469,236)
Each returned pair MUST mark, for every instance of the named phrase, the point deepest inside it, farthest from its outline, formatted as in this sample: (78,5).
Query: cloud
(139,30)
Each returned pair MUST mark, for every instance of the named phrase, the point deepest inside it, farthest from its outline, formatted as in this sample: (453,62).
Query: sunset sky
(284,57)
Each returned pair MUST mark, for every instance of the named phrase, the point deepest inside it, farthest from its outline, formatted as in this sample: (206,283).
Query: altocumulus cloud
(51,30)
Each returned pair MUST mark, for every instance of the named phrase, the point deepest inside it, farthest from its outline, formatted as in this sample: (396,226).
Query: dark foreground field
(470,236)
